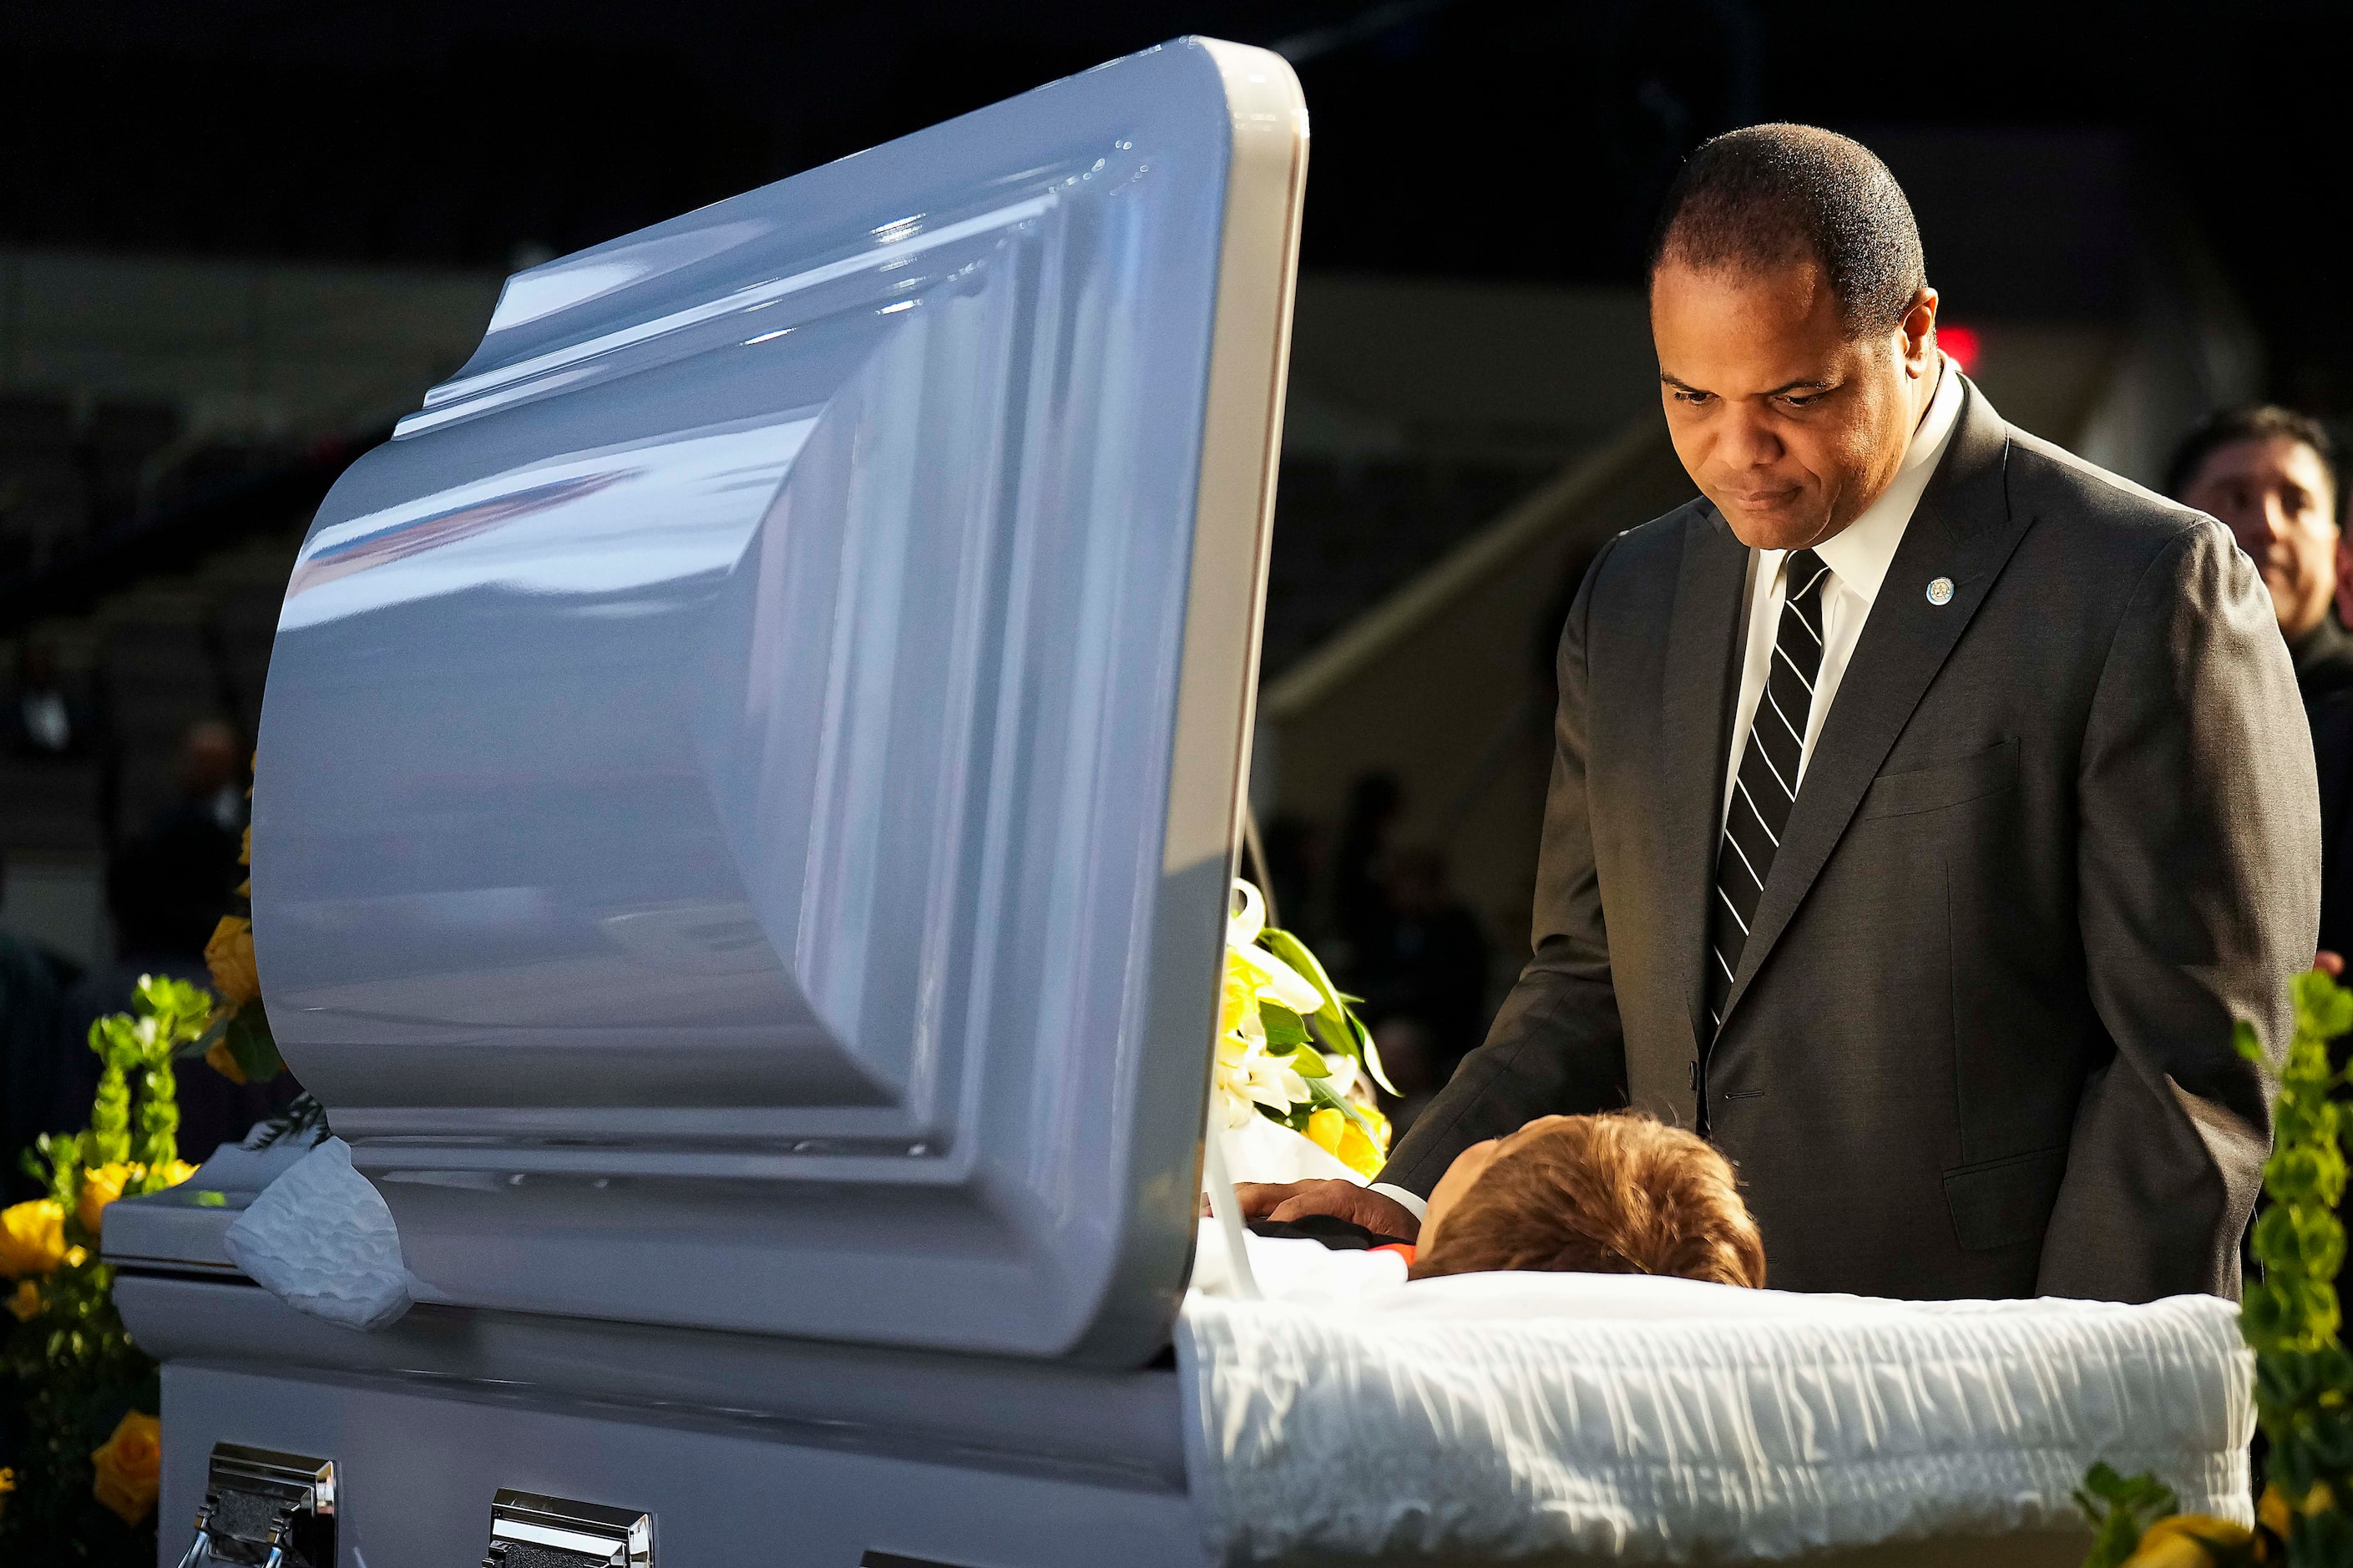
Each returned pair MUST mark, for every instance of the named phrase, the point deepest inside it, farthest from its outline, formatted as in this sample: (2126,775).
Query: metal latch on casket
(265,1509)
(529,1531)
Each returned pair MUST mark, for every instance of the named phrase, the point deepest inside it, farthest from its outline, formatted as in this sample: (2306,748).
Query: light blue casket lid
(748,775)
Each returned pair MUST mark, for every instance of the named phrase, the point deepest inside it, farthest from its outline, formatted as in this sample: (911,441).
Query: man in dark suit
(1927,804)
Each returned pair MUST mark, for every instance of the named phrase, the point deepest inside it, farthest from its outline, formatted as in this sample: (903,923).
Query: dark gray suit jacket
(2056,835)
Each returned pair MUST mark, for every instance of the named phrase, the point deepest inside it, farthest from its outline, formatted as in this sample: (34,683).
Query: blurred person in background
(28,1023)
(41,718)
(1409,946)
(1407,1058)
(1360,905)
(1294,864)
(2269,474)
(210,768)
(1430,966)
(2332,755)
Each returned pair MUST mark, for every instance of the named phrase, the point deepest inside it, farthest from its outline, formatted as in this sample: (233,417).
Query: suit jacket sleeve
(2198,866)
(1555,1047)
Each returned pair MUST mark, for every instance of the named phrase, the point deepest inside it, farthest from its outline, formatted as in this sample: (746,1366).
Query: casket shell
(749,774)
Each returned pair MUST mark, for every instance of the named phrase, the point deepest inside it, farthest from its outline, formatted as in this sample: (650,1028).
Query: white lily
(1248,1077)
(1274,980)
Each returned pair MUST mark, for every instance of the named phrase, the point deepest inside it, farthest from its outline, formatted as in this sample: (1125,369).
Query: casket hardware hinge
(531,1531)
(263,1508)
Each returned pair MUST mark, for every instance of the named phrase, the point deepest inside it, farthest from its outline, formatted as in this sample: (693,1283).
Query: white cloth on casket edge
(320,1239)
(1502,1415)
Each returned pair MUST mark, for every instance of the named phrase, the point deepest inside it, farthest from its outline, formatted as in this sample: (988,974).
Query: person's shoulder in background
(2332,755)
(2324,660)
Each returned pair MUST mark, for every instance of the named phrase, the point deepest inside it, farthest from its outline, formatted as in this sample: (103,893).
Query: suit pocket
(1989,772)
(2003,1202)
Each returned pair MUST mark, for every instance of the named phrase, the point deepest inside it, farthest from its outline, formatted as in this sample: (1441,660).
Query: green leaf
(1285,1028)
(2263,1321)
(2120,1508)
(213,1033)
(1373,1059)
(209,1199)
(1323,1091)
(2324,1009)
(1309,1064)
(1294,951)
(1337,1029)
(252,1044)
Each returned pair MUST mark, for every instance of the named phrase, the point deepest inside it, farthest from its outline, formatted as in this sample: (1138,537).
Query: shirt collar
(1861,553)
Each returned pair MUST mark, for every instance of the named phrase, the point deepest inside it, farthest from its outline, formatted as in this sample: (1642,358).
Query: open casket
(746,792)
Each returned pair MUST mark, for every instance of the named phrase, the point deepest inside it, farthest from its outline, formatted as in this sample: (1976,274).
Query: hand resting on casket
(1347,1200)
(1619,1193)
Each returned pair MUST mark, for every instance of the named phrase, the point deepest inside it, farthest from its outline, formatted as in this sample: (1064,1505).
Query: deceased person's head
(1621,1193)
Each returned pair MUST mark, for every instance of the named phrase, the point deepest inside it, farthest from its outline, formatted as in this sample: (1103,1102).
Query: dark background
(1476,139)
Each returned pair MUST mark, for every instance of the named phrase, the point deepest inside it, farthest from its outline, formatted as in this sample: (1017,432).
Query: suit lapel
(1962,530)
(1703,636)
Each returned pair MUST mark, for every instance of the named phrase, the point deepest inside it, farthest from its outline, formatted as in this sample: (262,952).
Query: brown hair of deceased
(1603,1195)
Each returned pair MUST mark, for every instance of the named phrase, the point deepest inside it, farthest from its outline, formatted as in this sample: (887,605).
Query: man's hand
(1341,1200)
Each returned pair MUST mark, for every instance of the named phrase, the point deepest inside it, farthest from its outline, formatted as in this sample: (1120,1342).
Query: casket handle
(279,1508)
(592,1535)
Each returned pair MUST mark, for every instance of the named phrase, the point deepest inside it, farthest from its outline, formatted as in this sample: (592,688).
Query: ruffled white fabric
(1506,1416)
(320,1239)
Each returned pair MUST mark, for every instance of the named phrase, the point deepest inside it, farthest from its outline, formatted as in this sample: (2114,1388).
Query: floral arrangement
(77,1375)
(2304,1375)
(73,1366)
(239,1046)
(1290,1049)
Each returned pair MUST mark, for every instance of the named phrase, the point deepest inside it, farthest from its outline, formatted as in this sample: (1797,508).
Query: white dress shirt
(1858,557)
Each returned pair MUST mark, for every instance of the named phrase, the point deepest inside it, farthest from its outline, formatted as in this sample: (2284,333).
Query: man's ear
(1919,329)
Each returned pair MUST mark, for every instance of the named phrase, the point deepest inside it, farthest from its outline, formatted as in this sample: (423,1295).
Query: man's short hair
(1776,195)
(2248,422)
(1621,1193)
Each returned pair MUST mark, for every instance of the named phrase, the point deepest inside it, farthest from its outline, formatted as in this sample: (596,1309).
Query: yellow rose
(26,1302)
(32,1238)
(2189,1540)
(229,955)
(101,1186)
(1324,1130)
(1359,1152)
(130,1466)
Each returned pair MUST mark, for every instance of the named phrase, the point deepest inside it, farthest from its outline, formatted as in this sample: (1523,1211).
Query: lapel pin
(1940,592)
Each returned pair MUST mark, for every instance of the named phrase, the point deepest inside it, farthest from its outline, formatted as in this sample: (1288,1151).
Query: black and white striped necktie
(1766,787)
